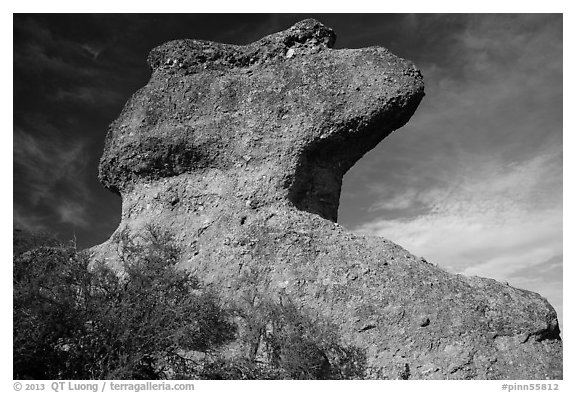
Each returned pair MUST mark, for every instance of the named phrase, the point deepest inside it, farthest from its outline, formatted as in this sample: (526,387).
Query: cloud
(57,68)
(407,200)
(27,221)
(495,219)
(38,50)
(493,216)
(93,50)
(46,161)
(49,172)
(73,213)
(93,96)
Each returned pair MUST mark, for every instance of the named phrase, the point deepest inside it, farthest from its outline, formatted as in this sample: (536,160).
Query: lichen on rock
(240,151)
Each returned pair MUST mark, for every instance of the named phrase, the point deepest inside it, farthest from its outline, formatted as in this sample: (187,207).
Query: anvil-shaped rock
(286,105)
(240,152)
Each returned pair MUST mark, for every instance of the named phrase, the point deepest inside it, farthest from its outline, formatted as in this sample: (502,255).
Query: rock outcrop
(240,152)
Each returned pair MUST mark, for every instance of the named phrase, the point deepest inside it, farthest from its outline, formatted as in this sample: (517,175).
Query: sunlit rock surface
(240,152)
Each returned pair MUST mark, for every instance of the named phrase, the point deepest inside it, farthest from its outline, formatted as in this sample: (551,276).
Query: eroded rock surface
(240,152)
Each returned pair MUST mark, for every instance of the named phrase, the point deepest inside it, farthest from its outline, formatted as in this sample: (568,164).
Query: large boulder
(240,152)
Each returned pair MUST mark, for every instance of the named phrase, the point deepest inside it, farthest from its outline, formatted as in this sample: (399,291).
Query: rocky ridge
(240,152)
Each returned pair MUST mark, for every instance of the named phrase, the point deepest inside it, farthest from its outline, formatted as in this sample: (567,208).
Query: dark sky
(72,75)
(472,183)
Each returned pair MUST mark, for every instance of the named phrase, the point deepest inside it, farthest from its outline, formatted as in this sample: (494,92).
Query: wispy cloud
(73,212)
(48,160)
(42,51)
(93,50)
(70,69)
(89,95)
(50,171)
(30,222)
(486,220)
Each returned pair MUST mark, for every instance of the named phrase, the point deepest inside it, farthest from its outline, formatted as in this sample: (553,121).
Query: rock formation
(240,151)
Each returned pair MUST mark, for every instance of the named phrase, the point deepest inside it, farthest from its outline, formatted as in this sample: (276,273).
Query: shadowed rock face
(240,152)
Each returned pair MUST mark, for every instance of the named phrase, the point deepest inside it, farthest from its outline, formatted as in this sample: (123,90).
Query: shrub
(23,241)
(74,323)
(143,317)
(297,346)
(287,340)
(47,286)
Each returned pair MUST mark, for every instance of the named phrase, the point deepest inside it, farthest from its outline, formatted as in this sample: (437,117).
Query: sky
(472,183)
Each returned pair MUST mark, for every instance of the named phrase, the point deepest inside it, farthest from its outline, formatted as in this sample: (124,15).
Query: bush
(74,323)
(47,285)
(23,241)
(284,341)
(297,346)
(144,318)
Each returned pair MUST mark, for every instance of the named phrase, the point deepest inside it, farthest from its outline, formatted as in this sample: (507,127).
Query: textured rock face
(240,152)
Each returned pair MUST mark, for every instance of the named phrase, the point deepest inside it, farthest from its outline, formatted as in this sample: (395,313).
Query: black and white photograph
(288,196)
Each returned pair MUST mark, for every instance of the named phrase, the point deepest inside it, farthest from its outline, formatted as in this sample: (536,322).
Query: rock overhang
(287,101)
